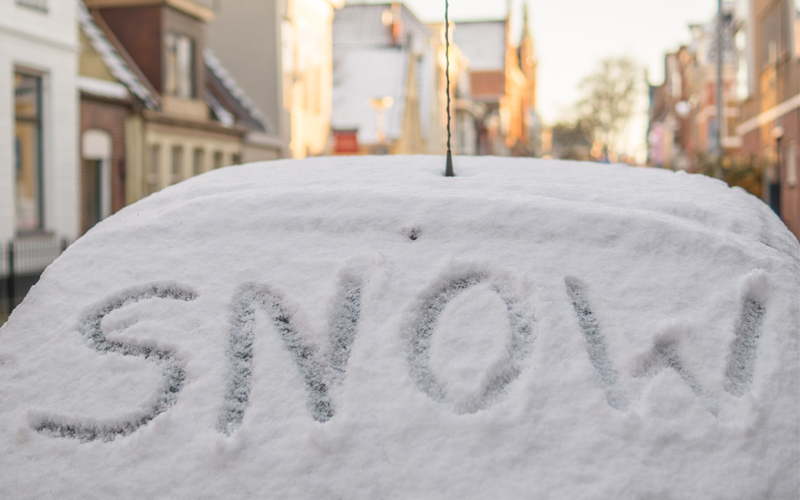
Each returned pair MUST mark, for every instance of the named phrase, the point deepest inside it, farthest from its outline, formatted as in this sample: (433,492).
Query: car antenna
(448,172)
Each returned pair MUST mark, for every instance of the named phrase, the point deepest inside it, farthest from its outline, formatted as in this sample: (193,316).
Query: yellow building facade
(308,73)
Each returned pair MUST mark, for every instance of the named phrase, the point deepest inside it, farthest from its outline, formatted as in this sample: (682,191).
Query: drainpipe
(775,184)
(720,107)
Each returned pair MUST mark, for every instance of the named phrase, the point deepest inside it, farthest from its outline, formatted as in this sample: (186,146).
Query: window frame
(38,121)
(176,164)
(151,177)
(198,161)
(791,165)
(173,73)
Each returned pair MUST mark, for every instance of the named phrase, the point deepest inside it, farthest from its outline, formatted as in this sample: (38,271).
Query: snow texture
(421,330)
(317,377)
(368,328)
(741,364)
(596,344)
(93,333)
(665,354)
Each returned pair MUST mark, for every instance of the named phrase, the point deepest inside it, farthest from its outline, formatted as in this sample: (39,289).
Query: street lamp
(775,184)
(380,104)
(683,108)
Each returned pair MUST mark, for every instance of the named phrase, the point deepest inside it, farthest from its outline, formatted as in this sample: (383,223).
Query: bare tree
(572,140)
(610,95)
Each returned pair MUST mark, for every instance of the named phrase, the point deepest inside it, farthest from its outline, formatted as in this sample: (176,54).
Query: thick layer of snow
(367,328)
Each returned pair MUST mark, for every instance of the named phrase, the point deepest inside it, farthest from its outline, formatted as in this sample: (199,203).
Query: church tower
(527,58)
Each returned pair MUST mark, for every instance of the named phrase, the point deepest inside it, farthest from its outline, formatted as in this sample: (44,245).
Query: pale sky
(572,35)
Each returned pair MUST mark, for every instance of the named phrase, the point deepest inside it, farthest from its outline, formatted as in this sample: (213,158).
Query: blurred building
(672,133)
(661,119)
(38,113)
(770,127)
(465,113)
(388,83)
(526,57)
(156,106)
(569,141)
(703,84)
(111,91)
(683,110)
(503,80)
(279,52)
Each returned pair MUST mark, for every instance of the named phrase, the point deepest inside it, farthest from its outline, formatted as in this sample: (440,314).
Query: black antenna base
(448,172)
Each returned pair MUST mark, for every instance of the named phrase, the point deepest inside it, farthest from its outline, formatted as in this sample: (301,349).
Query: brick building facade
(38,112)
(108,116)
(770,127)
(156,105)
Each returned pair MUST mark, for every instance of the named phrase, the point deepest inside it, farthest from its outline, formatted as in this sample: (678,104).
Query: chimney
(397,24)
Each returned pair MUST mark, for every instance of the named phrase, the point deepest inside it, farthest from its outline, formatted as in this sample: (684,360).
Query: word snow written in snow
(319,373)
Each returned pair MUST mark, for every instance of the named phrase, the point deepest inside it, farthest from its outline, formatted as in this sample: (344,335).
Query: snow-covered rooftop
(111,57)
(362,327)
(484,44)
(364,73)
(367,65)
(218,78)
(361,25)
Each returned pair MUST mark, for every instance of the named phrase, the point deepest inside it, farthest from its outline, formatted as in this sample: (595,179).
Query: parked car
(369,328)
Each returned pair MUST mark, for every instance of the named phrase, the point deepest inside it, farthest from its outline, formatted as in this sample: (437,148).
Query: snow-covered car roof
(367,328)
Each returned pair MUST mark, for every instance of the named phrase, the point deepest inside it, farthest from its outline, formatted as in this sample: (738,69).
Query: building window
(791,165)
(177,164)
(34,4)
(786,15)
(236,159)
(151,179)
(743,71)
(96,149)
(180,81)
(776,32)
(198,162)
(287,61)
(218,159)
(767,45)
(93,192)
(462,135)
(28,151)
(796,28)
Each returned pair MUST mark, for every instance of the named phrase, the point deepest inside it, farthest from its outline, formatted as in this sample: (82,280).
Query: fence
(22,262)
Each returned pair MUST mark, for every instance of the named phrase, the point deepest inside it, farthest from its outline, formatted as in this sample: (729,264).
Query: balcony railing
(22,262)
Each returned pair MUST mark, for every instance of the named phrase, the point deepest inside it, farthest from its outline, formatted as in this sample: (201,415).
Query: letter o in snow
(423,326)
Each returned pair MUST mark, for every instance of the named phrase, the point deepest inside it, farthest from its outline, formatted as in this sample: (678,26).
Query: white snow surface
(367,328)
